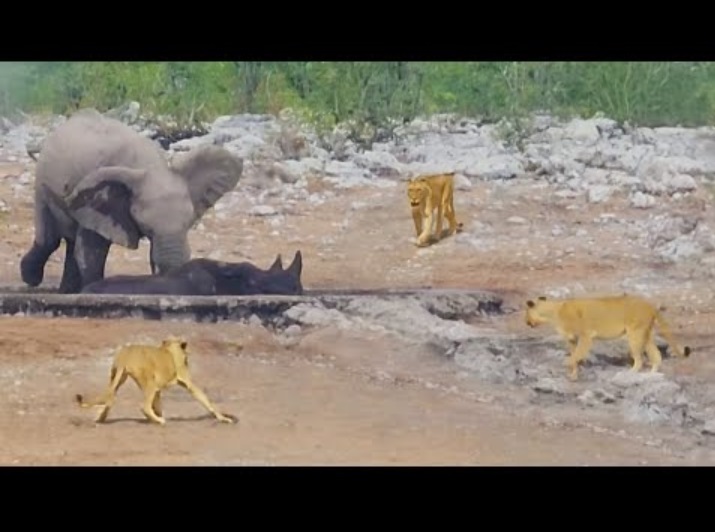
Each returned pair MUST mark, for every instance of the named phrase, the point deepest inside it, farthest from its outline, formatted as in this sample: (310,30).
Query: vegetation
(369,94)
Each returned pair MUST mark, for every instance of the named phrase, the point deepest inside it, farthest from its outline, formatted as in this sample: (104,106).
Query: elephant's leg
(47,240)
(71,277)
(90,252)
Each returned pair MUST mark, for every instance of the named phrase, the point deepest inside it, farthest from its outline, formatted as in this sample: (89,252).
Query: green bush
(369,93)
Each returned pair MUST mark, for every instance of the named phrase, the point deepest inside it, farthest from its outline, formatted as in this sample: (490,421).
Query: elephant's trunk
(169,252)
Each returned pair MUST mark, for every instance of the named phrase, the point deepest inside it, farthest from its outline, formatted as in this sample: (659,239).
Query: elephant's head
(124,203)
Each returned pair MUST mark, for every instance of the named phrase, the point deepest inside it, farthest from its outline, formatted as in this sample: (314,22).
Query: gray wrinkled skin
(98,183)
(206,277)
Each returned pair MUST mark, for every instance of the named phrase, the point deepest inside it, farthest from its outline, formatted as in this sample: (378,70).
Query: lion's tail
(115,377)
(665,332)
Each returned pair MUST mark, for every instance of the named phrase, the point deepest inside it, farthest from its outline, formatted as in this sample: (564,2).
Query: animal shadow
(143,421)
(434,239)
(619,359)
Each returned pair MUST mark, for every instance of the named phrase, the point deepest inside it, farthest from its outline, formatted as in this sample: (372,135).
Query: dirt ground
(332,397)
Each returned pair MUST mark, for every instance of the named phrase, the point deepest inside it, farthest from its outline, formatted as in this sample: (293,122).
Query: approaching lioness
(427,193)
(581,320)
(153,368)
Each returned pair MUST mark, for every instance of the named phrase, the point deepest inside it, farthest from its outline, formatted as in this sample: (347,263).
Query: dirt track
(331,396)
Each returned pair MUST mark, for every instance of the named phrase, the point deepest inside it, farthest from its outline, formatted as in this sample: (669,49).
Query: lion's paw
(228,418)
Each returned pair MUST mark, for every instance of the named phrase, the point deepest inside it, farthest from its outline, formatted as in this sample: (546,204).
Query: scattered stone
(596,397)
(640,200)
(549,385)
(599,193)
(262,210)
(709,428)
(292,330)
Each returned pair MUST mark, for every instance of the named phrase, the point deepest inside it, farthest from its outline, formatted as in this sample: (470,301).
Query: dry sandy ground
(329,396)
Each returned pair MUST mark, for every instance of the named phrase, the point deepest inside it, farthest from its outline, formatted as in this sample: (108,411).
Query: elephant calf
(209,277)
(99,182)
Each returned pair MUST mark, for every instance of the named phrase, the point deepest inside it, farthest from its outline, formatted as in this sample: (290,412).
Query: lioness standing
(426,194)
(581,320)
(153,368)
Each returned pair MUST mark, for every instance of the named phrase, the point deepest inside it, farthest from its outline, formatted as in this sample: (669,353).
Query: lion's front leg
(578,354)
(426,234)
(200,396)
(417,219)
(156,404)
(151,391)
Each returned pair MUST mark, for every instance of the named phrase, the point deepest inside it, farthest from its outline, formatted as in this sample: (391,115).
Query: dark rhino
(209,277)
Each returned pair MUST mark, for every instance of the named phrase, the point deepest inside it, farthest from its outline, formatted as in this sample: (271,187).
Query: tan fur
(153,368)
(581,320)
(427,193)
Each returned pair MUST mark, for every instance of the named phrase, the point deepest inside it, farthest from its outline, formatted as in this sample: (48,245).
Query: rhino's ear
(209,173)
(296,267)
(277,264)
(102,201)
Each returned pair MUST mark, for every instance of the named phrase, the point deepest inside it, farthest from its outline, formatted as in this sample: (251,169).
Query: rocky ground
(584,206)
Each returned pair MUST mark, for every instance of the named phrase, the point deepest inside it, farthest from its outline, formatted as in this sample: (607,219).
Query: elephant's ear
(209,172)
(102,201)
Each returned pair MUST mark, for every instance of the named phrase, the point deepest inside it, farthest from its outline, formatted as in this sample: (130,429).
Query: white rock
(461,182)
(262,210)
(639,200)
(582,131)
(599,193)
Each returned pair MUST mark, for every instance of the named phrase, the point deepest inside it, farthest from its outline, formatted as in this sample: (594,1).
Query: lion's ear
(530,303)
(183,346)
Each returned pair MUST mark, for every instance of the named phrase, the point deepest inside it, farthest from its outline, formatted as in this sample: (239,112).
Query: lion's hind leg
(151,390)
(653,353)
(117,378)
(454,226)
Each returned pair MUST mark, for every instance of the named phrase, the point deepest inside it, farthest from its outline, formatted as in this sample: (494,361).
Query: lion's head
(534,312)
(416,191)
(177,347)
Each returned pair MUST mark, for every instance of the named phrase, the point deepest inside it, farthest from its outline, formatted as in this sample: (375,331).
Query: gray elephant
(99,182)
